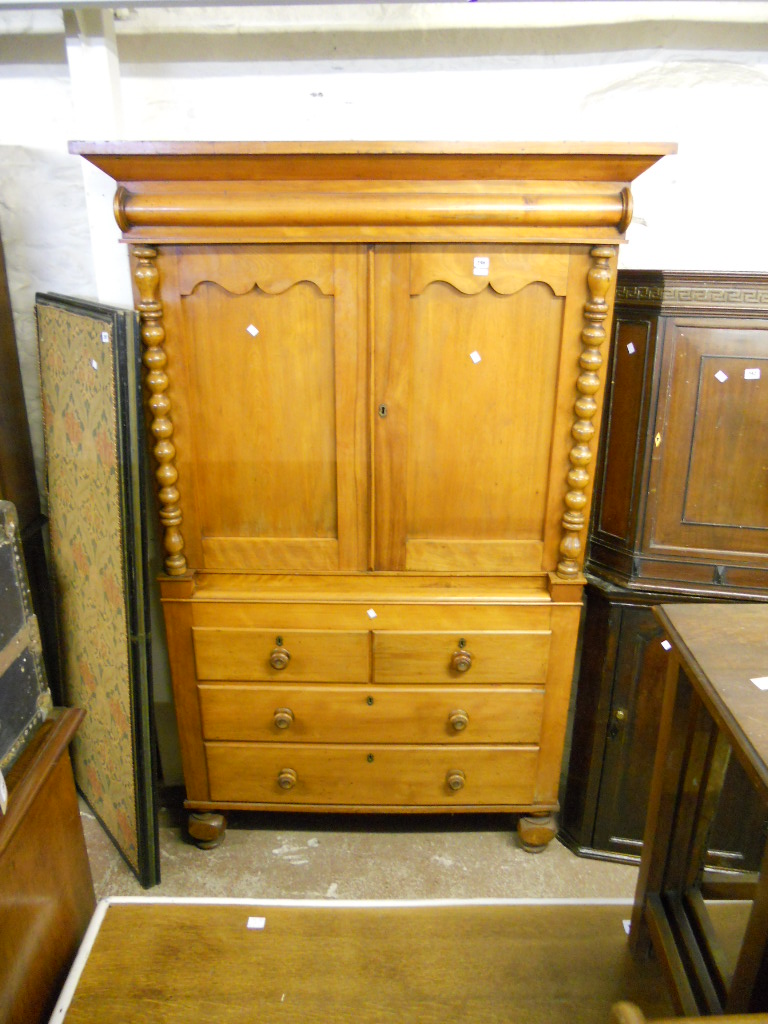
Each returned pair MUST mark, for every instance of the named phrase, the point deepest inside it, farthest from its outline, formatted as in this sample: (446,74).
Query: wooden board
(427,963)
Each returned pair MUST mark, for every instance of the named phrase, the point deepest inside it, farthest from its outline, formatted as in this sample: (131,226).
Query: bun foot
(206,829)
(536,832)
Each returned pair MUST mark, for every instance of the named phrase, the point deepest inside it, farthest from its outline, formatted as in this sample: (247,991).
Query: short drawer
(362,776)
(297,655)
(373,714)
(426,657)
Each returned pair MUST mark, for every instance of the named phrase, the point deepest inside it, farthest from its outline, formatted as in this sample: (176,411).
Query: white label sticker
(481,266)
(761,682)
(752,374)
(253,331)
(94,364)
(627,923)
(631,349)
(722,377)
(666,645)
(371,613)
(3,794)
(475,357)
(105,337)
(256,923)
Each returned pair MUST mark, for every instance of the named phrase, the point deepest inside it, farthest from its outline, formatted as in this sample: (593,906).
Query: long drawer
(358,775)
(374,714)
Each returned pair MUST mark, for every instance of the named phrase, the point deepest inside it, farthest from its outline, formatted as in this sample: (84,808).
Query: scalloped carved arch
(239,273)
(508,272)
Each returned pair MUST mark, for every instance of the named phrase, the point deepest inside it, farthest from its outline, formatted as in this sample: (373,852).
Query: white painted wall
(690,72)
(693,73)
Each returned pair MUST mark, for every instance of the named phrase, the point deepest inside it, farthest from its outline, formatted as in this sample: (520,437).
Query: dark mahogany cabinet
(681,492)
(680,514)
(618,703)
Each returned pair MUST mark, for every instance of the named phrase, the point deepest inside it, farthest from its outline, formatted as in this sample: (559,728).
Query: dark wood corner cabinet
(374,378)
(680,514)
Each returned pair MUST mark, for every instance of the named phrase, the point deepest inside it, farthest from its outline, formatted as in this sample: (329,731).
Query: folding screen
(89,364)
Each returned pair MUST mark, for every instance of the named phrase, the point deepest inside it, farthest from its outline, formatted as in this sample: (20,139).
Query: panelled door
(712,411)
(470,400)
(269,338)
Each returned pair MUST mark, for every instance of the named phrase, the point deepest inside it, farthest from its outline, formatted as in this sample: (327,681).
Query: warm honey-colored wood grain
(232,160)
(302,554)
(391,775)
(166,193)
(150,307)
(374,714)
(562,653)
(471,555)
(426,657)
(402,449)
(511,590)
(46,890)
(463,428)
(350,209)
(181,657)
(263,471)
(317,656)
(273,489)
(601,283)
(348,616)
(438,965)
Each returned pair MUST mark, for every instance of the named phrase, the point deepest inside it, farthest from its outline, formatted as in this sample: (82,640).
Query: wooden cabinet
(682,489)
(680,514)
(46,889)
(616,721)
(373,379)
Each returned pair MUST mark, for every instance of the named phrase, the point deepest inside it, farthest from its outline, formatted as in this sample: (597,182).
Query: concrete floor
(297,856)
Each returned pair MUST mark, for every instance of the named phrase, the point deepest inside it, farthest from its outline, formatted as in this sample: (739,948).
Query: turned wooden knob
(459,719)
(461,661)
(287,778)
(283,718)
(455,779)
(279,658)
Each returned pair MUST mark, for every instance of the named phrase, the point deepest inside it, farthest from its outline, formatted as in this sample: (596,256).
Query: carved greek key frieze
(587,385)
(150,310)
(672,291)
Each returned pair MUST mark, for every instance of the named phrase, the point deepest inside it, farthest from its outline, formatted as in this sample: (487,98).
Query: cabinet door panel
(278,424)
(710,427)
(466,370)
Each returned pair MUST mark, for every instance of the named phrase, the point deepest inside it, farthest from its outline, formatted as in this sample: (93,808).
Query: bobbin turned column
(150,310)
(593,335)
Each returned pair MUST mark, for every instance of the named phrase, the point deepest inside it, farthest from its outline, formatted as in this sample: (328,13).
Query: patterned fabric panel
(81,438)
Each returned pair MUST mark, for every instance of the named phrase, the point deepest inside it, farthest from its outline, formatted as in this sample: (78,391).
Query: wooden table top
(172,963)
(723,647)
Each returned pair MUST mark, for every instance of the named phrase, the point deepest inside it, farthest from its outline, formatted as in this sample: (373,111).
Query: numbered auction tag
(481,266)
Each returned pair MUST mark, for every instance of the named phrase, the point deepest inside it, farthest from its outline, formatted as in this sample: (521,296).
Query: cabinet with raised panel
(373,379)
